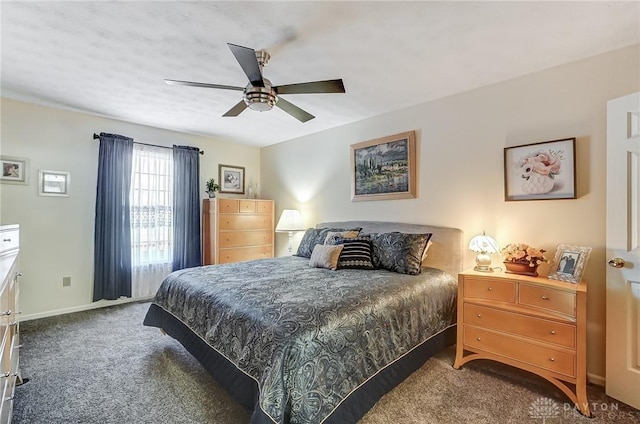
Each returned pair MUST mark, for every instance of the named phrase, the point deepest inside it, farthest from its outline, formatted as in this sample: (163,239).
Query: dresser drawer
(228,206)
(532,354)
(244,238)
(245,222)
(522,325)
(504,291)
(248,206)
(6,403)
(244,254)
(264,206)
(548,298)
(9,240)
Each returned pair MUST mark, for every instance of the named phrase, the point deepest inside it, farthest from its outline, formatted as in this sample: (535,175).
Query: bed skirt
(245,389)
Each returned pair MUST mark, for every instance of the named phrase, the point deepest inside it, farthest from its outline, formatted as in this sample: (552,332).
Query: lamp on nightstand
(484,245)
(290,221)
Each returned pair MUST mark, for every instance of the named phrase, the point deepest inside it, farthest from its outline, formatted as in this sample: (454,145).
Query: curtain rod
(97,137)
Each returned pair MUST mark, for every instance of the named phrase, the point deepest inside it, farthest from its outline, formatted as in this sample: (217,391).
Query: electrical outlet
(66,281)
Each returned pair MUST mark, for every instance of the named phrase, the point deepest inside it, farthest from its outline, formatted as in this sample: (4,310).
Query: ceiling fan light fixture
(260,99)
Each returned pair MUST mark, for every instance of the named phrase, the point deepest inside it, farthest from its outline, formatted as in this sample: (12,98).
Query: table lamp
(484,245)
(290,221)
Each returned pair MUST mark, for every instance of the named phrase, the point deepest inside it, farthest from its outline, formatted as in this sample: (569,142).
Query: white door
(623,249)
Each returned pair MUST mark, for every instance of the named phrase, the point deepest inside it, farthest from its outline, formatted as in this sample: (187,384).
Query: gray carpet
(103,366)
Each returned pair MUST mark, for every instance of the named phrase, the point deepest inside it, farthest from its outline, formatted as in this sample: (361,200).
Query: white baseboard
(93,305)
(596,379)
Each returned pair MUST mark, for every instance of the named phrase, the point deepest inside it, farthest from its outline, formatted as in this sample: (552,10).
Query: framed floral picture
(384,168)
(540,171)
(231,179)
(14,170)
(568,263)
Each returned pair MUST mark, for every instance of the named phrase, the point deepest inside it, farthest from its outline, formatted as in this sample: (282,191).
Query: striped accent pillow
(356,254)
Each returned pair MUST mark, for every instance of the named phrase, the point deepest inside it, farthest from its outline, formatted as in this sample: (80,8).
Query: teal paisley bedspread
(308,336)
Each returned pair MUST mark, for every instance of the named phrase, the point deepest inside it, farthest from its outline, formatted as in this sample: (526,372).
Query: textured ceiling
(110,58)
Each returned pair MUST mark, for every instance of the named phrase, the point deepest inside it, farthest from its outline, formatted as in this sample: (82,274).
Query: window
(151,203)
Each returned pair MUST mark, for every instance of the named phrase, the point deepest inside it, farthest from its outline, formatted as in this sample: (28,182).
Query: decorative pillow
(325,256)
(332,235)
(399,252)
(356,254)
(315,236)
(425,254)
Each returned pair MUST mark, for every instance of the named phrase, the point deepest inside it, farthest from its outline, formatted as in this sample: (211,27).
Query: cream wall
(460,159)
(57,232)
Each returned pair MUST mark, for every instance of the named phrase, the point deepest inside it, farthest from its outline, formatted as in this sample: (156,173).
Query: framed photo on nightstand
(568,263)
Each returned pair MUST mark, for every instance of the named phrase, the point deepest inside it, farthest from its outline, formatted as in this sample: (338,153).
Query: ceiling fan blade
(237,109)
(203,84)
(328,86)
(294,110)
(246,57)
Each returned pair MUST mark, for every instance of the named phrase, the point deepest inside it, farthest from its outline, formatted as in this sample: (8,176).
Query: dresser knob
(478,338)
(5,375)
(6,240)
(7,313)
(490,289)
(552,359)
(553,331)
(544,297)
(479,316)
(9,398)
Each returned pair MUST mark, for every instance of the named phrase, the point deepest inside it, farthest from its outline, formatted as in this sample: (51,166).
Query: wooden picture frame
(54,183)
(231,179)
(14,170)
(384,168)
(540,171)
(568,263)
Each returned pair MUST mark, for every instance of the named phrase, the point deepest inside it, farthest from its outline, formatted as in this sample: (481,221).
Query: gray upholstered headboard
(446,252)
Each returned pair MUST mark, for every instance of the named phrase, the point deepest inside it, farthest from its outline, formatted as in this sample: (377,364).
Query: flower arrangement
(544,163)
(523,253)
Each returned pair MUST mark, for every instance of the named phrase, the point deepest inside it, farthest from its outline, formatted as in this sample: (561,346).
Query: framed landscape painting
(384,168)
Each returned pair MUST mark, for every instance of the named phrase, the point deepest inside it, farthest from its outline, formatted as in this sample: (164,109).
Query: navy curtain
(186,207)
(112,236)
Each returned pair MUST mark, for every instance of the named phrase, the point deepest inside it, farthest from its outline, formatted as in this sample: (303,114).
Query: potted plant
(212,187)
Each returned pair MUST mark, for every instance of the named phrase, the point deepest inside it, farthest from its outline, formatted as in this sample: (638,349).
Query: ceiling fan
(260,94)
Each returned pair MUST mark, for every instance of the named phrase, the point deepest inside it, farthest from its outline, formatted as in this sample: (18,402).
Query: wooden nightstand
(532,323)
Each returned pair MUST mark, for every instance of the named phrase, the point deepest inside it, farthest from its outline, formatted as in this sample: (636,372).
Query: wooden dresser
(9,325)
(236,230)
(532,323)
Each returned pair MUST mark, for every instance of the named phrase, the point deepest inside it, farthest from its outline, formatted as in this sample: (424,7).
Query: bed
(299,344)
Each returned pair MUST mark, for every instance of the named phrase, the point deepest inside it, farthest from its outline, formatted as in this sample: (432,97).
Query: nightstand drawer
(522,325)
(548,298)
(532,354)
(504,291)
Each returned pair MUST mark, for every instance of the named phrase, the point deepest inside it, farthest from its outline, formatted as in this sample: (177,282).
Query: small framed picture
(54,183)
(568,263)
(540,171)
(14,170)
(231,179)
